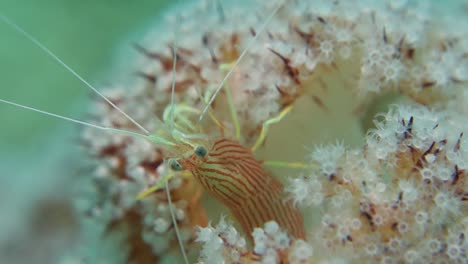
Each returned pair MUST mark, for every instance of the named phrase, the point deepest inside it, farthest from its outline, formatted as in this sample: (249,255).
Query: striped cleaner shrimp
(222,165)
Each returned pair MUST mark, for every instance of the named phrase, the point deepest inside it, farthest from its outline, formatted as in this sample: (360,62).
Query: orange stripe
(228,146)
(249,177)
(265,211)
(227,199)
(254,178)
(211,162)
(235,191)
(221,140)
(251,220)
(234,159)
(240,218)
(252,209)
(236,180)
(219,145)
(289,220)
(289,217)
(257,211)
(230,151)
(275,211)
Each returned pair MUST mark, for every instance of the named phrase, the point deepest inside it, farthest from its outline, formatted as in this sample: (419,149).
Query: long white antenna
(171,113)
(174,221)
(121,131)
(249,45)
(69,69)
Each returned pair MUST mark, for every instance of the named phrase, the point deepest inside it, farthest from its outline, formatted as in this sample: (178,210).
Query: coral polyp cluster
(272,245)
(396,197)
(397,193)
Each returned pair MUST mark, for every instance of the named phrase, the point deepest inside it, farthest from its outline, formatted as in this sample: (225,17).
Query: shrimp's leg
(266,125)
(261,139)
(155,187)
(285,164)
(160,184)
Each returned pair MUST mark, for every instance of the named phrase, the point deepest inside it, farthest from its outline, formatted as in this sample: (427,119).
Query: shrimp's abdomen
(267,206)
(233,176)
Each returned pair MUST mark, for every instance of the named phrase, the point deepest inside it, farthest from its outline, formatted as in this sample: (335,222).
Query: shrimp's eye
(200,151)
(175,165)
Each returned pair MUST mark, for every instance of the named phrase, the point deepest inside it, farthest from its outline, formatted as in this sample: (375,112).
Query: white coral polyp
(328,157)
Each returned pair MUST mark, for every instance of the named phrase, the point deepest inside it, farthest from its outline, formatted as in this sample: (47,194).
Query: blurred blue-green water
(39,158)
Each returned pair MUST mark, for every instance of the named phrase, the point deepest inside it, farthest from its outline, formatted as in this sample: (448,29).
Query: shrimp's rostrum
(230,173)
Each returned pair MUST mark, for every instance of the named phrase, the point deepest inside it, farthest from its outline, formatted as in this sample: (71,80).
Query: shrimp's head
(183,150)
(185,142)
(191,159)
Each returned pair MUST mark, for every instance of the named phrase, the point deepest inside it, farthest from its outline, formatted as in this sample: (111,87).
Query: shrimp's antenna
(120,131)
(174,221)
(249,45)
(171,113)
(68,68)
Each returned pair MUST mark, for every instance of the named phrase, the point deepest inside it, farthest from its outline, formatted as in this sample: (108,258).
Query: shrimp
(231,174)
(225,168)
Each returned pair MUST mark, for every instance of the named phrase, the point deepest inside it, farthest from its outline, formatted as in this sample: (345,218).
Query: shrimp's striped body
(231,174)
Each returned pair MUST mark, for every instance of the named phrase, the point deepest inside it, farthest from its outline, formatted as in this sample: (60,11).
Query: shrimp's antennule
(244,52)
(69,69)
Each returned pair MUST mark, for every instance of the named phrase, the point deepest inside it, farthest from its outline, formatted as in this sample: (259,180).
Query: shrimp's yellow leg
(159,185)
(285,164)
(266,125)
